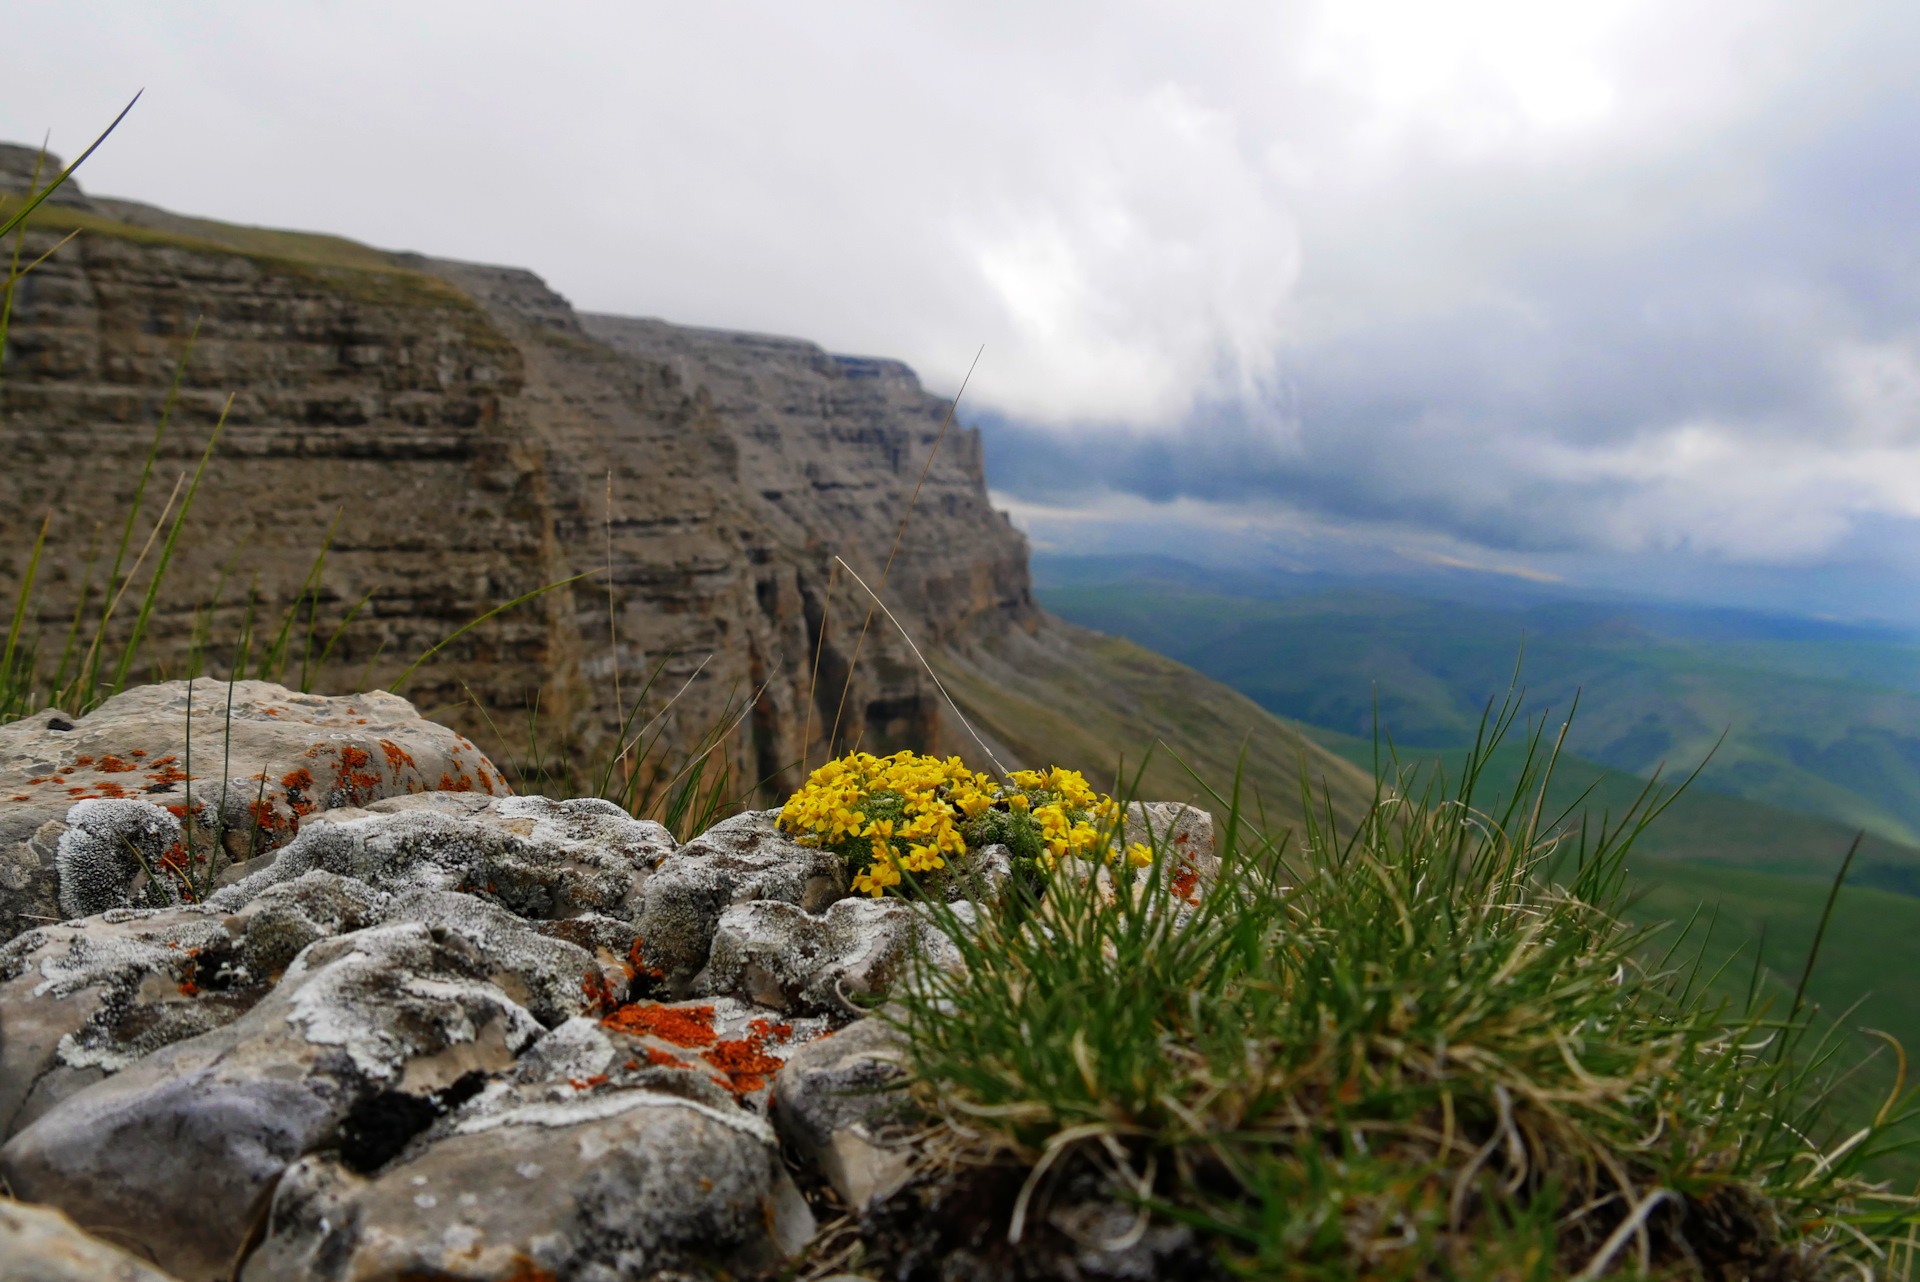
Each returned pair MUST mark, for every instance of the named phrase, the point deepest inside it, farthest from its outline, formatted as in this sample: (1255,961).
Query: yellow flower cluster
(924,798)
(1065,835)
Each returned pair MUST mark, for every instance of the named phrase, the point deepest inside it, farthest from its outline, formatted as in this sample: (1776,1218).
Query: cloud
(1522,283)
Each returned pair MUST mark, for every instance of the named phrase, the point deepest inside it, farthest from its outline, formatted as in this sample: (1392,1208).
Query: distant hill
(1819,718)
(1754,875)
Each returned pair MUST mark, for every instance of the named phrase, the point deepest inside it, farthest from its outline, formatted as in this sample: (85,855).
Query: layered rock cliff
(476,442)
(468,438)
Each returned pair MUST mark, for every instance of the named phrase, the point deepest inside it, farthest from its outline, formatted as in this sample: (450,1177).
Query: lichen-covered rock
(82,1000)
(780,956)
(742,859)
(535,857)
(611,1184)
(180,1148)
(39,1244)
(1184,834)
(93,809)
(612,1148)
(838,1102)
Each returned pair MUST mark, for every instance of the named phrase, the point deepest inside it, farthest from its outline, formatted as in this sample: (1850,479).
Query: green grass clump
(1428,1046)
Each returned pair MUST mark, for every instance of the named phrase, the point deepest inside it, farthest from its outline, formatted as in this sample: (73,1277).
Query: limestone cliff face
(475,439)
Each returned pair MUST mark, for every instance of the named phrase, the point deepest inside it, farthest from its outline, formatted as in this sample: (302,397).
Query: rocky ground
(419,1032)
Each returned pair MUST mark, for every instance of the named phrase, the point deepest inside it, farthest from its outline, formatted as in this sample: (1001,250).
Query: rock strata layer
(467,438)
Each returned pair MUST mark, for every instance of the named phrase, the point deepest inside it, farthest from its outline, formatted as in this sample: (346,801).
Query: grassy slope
(1758,869)
(1808,732)
(1072,697)
(1699,826)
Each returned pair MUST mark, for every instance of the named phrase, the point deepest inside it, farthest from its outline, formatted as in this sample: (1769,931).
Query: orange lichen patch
(138,752)
(112,765)
(485,783)
(524,1270)
(42,779)
(1181,887)
(267,819)
(111,789)
(20,799)
(66,770)
(663,1059)
(396,755)
(165,771)
(745,1062)
(83,761)
(357,783)
(587,1084)
(298,783)
(599,992)
(272,712)
(683,1026)
(637,966)
(77,792)
(766,1031)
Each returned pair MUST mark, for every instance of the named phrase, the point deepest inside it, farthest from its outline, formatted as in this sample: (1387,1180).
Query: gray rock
(743,859)
(838,1102)
(91,808)
(981,876)
(39,1244)
(610,1149)
(535,857)
(611,1184)
(83,1000)
(181,1148)
(780,956)
(1183,832)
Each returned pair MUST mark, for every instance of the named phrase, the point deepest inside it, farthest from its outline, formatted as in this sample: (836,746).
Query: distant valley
(1819,718)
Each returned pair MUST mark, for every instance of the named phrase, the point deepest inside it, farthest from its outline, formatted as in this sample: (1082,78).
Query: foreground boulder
(95,811)
(839,1102)
(741,860)
(617,1184)
(182,1148)
(38,1244)
(83,1000)
(453,1035)
(535,857)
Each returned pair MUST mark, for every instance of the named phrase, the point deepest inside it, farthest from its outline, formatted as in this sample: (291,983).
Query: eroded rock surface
(533,856)
(39,1244)
(839,1102)
(453,1035)
(607,1184)
(780,956)
(95,811)
(741,860)
(182,1147)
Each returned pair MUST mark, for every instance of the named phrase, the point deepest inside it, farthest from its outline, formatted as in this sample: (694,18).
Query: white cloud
(1507,268)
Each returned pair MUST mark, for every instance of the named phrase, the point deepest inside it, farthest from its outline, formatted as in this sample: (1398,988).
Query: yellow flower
(1138,855)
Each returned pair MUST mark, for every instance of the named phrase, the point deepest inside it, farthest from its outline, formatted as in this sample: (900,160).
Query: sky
(1621,294)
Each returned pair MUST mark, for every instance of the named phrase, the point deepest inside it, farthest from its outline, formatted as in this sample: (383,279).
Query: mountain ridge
(477,439)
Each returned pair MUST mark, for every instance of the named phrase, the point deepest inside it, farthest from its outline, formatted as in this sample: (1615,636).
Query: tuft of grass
(1423,1045)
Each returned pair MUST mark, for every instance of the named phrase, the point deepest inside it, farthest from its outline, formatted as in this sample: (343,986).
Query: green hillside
(1821,720)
